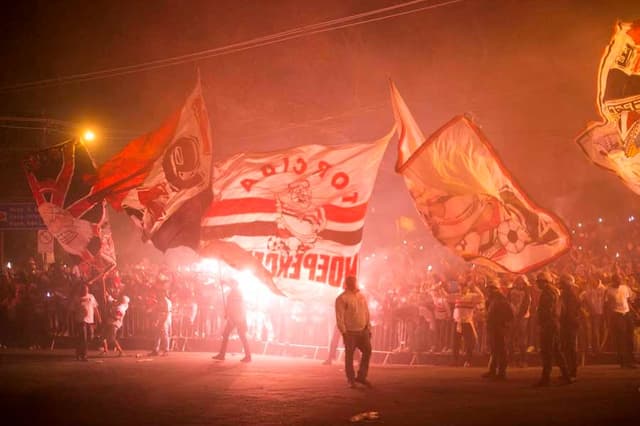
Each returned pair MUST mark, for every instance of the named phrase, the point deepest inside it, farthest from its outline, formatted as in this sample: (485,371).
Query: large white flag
(300,211)
(614,144)
(468,199)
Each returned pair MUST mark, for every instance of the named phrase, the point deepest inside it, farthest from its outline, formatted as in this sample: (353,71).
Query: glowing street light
(89,135)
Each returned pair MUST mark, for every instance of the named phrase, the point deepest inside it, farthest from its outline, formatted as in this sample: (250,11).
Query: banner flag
(58,180)
(468,199)
(300,211)
(162,180)
(614,144)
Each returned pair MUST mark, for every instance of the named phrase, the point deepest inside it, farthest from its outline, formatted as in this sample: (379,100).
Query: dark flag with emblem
(58,180)
(469,200)
(163,179)
(614,143)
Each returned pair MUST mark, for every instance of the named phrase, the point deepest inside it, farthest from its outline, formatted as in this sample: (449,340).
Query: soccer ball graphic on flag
(513,235)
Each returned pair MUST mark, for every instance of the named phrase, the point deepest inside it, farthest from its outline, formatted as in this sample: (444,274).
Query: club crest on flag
(162,180)
(614,143)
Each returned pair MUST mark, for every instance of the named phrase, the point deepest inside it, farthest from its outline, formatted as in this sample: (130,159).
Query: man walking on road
(352,319)
(236,316)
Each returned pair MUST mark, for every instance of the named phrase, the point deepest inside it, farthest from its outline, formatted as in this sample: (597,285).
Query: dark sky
(525,69)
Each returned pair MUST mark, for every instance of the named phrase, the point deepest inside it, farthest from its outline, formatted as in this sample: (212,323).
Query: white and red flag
(300,212)
(614,143)
(468,199)
(58,180)
(163,178)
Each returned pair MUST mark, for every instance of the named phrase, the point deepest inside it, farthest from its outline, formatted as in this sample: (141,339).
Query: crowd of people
(444,309)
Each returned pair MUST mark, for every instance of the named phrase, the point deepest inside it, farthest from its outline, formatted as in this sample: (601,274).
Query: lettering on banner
(310,267)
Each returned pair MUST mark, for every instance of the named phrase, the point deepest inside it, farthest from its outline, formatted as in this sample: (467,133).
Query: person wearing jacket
(548,319)
(569,322)
(353,321)
(499,316)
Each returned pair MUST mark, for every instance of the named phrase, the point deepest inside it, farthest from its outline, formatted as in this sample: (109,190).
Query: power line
(322,27)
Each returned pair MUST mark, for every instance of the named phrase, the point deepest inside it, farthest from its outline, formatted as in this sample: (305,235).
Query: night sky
(525,69)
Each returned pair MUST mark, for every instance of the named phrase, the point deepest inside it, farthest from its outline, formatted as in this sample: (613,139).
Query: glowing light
(606,247)
(600,220)
(580,248)
(421,247)
(429,268)
(573,231)
(89,135)
(631,218)
(617,254)
(9,265)
(579,224)
(404,242)
(208,265)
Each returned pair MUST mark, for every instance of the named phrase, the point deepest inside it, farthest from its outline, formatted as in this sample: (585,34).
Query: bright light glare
(89,135)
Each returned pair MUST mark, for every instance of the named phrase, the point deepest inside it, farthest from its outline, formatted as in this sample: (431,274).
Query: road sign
(16,216)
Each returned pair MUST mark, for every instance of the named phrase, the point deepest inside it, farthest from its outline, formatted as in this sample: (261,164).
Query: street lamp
(88,135)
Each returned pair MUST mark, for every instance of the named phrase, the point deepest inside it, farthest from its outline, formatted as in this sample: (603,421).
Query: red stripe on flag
(264,205)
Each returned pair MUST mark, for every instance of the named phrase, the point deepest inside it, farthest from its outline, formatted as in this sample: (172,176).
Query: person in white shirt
(117,312)
(464,326)
(162,324)
(86,315)
(353,321)
(618,297)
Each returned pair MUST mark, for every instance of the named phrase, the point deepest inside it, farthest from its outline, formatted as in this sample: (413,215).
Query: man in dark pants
(499,315)
(352,319)
(85,310)
(569,322)
(548,320)
(236,318)
(618,302)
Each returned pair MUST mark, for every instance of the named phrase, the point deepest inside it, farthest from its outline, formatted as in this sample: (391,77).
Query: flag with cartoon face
(58,180)
(300,212)
(469,200)
(614,143)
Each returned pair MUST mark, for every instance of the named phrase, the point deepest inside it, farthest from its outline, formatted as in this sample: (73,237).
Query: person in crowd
(593,301)
(86,316)
(442,316)
(353,321)
(618,301)
(519,297)
(464,328)
(236,316)
(117,311)
(570,318)
(548,320)
(162,323)
(499,316)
